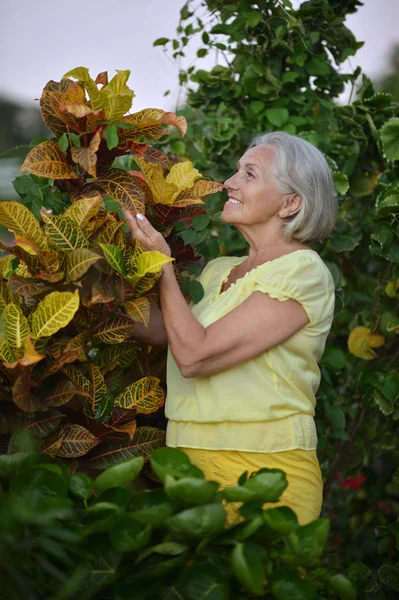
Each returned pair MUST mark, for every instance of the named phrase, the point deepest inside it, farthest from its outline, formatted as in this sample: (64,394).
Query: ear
(292,204)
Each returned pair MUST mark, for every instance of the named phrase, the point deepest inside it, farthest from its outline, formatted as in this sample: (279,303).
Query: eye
(249,174)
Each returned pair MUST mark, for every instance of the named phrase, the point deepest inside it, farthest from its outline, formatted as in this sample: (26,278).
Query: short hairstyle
(299,167)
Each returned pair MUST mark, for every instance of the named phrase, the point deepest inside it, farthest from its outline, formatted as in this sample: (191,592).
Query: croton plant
(74,284)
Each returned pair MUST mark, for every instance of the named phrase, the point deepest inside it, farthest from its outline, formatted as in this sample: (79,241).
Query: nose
(232,182)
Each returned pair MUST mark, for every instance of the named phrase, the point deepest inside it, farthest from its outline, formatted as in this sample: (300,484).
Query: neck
(264,240)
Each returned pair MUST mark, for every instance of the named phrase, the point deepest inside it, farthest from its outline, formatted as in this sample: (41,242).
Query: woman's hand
(142,231)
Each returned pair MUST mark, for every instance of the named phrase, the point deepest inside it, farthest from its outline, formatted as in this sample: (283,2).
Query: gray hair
(299,167)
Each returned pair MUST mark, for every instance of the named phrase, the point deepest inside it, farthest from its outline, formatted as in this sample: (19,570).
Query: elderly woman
(242,368)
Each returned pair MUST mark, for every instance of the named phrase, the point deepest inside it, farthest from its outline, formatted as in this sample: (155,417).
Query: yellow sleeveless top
(267,403)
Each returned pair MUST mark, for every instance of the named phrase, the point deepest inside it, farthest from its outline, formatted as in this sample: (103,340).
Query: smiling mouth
(234,201)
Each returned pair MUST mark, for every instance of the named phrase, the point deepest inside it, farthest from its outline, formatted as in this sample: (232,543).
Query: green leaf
(334,358)
(81,485)
(195,290)
(188,236)
(171,461)
(341,182)
(197,523)
(342,586)
(287,585)
(128,535)
(277,116)
(190,491)
(267,484)
(121,474)
(37,140)
(161,41)
(39,479)
(308,541)
(336,417)
(111,135)
(202,582)
(253,18)
(385,405)
(9,465)
(281,519)
(63,142)
(202,52)
(389,133)
(200,222)
(151,507)
(75,139)
(24,185)
(248,561)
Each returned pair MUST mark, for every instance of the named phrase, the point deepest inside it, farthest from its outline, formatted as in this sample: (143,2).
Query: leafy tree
(390,81)
(281,69)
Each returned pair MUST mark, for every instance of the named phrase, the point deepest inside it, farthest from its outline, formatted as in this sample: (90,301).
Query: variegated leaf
(81,211)
(114,257)
(123,188)
(48,160)
(130,428)
(19,219)
(22,394)
(145,441)
(63,233)
(78,344)
(5,266)
(53,313)
(10,356)
(139,310)
(107,234)
(5,296)
(117,354)
(79,262)
(51,445)
(82,74)
(13,326)
(86,157)
(76,441)
(61,393)
(22,287)
(194,194)
(49,103)
(114,330)
(78,378)
(43,423)
(99,406)
(145,395)
(102,293)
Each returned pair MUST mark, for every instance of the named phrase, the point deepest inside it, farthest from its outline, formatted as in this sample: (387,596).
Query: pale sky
(43,39)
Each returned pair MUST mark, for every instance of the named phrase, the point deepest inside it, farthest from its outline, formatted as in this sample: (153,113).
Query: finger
(130,220)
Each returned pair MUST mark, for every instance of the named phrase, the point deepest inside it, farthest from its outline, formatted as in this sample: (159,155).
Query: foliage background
(282,70)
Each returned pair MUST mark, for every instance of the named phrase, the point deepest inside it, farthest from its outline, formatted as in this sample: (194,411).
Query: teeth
(235,201)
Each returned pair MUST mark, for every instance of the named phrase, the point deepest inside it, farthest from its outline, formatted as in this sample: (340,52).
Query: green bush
(67,536)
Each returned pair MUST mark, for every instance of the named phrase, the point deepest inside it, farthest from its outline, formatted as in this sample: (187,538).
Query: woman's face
(253,194)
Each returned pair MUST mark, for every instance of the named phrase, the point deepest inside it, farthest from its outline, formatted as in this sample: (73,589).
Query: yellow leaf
(114,257)
(129,428)
(78,263)
(199,190)
(116,97)
(77,377)
(149,262)
(19,219)
(361,341)
(145,395)
(53,313)
(163,191)
(391,288)
(9,356)
(31,356)
(14,326)
(183,175)
(4,294)
(81,211)
(49,104)
(139,310)
(48,160)
(87,157)
(82,74)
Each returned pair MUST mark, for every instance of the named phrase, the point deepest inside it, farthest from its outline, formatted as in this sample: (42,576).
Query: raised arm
(235,338)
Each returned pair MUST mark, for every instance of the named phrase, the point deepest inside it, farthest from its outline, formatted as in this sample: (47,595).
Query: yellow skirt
(305,486)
